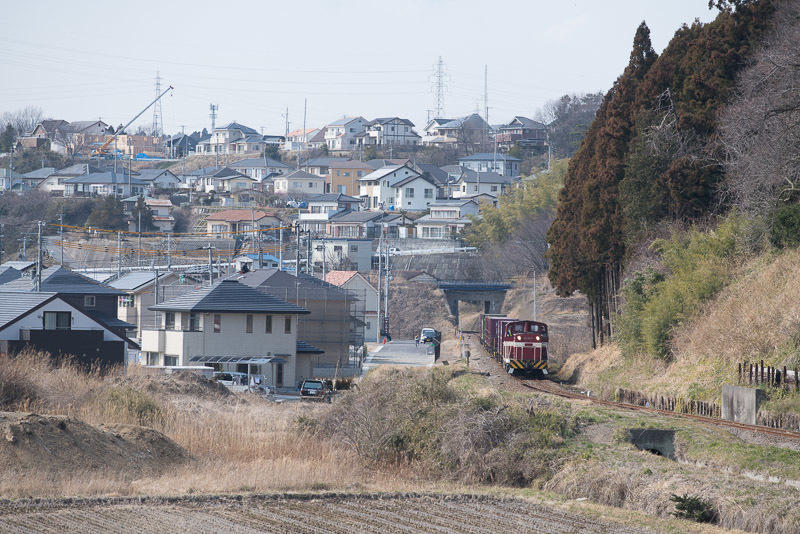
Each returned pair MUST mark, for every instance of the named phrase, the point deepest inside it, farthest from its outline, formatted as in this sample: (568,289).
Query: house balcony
(176,342)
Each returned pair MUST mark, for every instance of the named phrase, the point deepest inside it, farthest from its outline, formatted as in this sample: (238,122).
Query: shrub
(693,508)
(785,231)
(126,402)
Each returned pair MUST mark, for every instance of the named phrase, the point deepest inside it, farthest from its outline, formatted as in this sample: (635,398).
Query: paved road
(399,353)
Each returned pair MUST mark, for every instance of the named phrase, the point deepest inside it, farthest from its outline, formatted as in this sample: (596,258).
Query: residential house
(438,175)
(139,294)
(398,187)
(231,327)
(8,273)
(8,178)
(487,161)
(523,132)
(133,145)
(255,260)
(343,176)
(93,298)
(298,139)
(390,132)
(363,224)
(329,323)
(159,178)
(104,184)
(473,183)
(359,286)
(320,166)
(321,207)
(317,141)
(24,267)
(233,222)
(260,168)
(465,133)
(299,183)
(54,183)
(162,213)
(181,145)
(342,253)
(447,219)
(54,132)
(341,135)
(47,322)
(32,179)
(382,162)
(233,138)
(224,180)
(198,179)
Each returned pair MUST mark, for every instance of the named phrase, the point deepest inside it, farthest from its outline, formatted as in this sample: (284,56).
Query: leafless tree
(22,120)
(760,130)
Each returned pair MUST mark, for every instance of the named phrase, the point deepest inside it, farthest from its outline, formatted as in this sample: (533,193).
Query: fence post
(784,377)
(750,381)
(762,373)
(796,380)
(740,372)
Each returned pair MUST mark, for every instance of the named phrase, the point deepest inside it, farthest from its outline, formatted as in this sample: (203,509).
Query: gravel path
(447,514)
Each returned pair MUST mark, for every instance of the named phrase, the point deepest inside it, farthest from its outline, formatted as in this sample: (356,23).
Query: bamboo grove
(650,156)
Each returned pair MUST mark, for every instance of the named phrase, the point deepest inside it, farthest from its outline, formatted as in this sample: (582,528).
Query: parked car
(394,250)
(230,378)
(315,388)
(427,335)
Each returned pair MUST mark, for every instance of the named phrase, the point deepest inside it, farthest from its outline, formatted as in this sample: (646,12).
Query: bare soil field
(301,513)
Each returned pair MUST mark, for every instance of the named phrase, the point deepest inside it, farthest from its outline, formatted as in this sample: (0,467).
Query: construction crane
(113,139)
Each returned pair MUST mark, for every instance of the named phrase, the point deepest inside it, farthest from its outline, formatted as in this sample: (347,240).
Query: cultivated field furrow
(441,522)
(400,521)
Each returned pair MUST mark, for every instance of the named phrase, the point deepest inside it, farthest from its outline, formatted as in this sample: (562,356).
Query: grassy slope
(756,317)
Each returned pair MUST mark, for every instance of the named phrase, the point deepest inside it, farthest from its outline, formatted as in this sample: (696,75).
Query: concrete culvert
(653,440)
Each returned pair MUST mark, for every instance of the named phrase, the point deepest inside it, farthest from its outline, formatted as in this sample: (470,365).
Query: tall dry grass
(236,443)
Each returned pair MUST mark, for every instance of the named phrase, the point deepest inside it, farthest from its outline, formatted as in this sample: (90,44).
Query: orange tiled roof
(339,278)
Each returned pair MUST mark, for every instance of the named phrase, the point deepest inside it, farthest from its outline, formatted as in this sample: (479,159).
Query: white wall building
(341,135)
(397,187)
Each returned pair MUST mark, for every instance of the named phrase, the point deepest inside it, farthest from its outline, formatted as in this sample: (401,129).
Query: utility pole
(61,233)
(24,240)
(1,242)
(534,294)
(309,263)
(213,115)
(486,92)
(380,281)
(305,111)
(210,264)
(40,224)
(119,254)
(139,252)
(324,263)
(386,293)
(280,250)
(297,242)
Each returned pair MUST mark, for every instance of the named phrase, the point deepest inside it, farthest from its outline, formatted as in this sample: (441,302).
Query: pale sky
(89,59)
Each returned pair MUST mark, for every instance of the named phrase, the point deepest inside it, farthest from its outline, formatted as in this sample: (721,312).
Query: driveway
(399,353)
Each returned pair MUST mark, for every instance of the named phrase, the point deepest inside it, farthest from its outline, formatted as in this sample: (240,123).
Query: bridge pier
(490,295)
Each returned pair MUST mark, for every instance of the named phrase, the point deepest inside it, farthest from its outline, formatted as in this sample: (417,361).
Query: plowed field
(296,513)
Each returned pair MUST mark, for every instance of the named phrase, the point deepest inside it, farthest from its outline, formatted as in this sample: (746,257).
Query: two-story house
(490,162)
(364,224)
(260,168)
(465,133)
(47,322)
(139,289)
(390,131)
(366,295)
(341,135)
(472,183)
(233,138)
(343,176)
(320,209)
(104,184)
(159,178)
(54,182)
(299,183)
(397,187)
(522,131)
(320,166)
(447,219)
(161,208)
(298,139)
(224,180)
(230,326)
(233,222)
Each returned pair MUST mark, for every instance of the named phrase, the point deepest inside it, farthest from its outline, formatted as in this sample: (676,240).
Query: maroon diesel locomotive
(521,346)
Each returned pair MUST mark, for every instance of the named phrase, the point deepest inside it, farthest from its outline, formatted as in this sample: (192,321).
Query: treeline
(652,153)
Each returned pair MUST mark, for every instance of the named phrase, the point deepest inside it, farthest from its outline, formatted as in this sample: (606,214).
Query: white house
(357,284)
(473,183)
(159,178)
(490,162)
(322,207)
(464,132)
(298,139)
(233,138)
(341,135)
(299,183)
(232,327)
(390,131)
(397,187)
(161,208)
(447,218)
(260,168)
(104,184)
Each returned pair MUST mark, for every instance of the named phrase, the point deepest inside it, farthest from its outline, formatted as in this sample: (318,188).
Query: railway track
(551,388)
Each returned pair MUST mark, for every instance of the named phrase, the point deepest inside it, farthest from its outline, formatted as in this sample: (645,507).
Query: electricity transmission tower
(158,116)
(439,88)
(213,115)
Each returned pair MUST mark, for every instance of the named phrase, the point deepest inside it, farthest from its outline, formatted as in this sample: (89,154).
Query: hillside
(756,317)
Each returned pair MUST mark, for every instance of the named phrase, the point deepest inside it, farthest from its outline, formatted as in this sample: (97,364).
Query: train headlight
(537,338)
(519,338)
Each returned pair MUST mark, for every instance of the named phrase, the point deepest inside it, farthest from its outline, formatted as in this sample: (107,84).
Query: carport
(249,360)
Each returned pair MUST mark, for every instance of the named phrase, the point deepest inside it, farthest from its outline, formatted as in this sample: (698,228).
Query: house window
(170,360)
(249,324)
(287,325)
(337,248)
(410,192)
(474,187)
(279,374)
(169,321)
(152,358)
(494,189)
(268,327)
(194,322)
(89,301)
(428,193)
(57,320)
(217,323)
(346,174)
(353,248)
(464,188)
(125,301)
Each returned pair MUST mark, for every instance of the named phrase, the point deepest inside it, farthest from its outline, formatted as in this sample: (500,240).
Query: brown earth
(180,383)
(63,445)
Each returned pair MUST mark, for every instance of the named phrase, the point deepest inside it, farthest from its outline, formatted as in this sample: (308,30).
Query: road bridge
(489,294)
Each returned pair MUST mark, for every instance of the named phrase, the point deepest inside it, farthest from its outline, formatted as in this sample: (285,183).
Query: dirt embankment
(62,445)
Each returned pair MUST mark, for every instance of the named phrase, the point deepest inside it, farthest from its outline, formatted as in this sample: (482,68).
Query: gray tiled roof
(488,156)
(237,126)
(57,279)
(136,279)
(229,296)
(303,175)
(104,178)
(249,163)
(8,273)
(13,305)
(302,346)
(333,197)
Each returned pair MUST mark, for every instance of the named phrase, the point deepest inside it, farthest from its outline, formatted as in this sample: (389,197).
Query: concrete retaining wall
(740,404)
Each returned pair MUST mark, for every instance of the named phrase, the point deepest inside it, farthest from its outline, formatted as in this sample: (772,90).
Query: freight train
(521,346)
